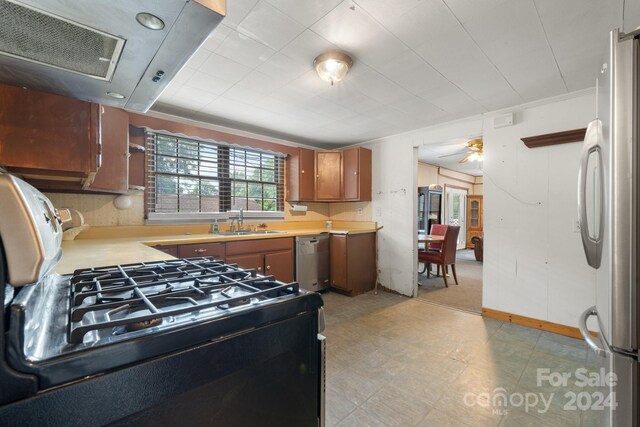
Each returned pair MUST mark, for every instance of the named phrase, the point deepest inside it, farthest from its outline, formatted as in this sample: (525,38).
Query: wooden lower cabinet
(279,264)
(271,257)
(353,262)
(168,249)
(216,250)
(255,261)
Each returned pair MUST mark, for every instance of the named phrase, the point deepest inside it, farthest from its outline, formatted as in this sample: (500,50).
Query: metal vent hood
(99,50)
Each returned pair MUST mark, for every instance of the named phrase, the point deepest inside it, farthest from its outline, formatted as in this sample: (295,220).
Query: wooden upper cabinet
(356,169)
(113,175)
(49,137)
(301,176)
(328,175)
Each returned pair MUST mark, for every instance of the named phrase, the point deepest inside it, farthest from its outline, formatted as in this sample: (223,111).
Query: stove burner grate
(128,298)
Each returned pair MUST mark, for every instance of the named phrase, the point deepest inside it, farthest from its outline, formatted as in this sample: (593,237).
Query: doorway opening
(450,193)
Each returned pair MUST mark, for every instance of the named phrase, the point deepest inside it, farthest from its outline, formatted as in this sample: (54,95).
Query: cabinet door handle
(355,173)
(199,251)
(259,268)
(302,171)
(268,267)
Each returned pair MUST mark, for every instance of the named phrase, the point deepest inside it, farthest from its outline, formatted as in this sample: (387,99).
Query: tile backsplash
(98,209)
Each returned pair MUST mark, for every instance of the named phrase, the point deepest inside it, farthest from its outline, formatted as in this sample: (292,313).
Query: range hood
(120,53)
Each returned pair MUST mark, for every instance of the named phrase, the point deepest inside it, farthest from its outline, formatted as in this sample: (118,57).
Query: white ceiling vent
(46,39)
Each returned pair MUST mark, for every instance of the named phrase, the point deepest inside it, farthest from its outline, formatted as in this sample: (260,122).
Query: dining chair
(445,257)
(436,230)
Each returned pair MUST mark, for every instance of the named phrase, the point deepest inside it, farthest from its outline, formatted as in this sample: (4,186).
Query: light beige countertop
(97,248)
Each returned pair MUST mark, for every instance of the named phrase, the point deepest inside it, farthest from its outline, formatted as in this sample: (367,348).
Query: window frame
(224,165)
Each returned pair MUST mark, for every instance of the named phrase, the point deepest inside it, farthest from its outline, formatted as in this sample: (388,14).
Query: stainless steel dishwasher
(312,262)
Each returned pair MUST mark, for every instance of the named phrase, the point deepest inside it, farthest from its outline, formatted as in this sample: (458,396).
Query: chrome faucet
(241,220)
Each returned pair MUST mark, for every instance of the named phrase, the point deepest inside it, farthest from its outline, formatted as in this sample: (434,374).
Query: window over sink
(192,180)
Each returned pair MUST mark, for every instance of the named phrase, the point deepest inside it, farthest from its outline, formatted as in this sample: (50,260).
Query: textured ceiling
(416,63)
(448,155)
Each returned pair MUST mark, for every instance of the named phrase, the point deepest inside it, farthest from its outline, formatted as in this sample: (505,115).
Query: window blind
(192,176)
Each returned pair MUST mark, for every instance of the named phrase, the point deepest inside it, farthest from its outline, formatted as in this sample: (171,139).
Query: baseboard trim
(543,325)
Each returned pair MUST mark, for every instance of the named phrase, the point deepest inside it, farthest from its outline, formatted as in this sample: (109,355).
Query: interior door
(456,208)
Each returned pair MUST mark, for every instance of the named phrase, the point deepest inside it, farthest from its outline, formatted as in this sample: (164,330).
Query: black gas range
(189,341)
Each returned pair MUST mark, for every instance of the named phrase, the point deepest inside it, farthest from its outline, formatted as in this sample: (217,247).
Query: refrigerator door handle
(591,243)
(591,341)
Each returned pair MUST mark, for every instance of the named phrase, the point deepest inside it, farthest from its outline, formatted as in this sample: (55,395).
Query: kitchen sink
(247,232)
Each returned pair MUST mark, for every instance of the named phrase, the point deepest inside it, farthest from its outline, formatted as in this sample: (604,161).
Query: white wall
(534,265)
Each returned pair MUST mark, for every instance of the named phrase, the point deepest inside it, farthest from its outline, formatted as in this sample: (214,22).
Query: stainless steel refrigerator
(608,215)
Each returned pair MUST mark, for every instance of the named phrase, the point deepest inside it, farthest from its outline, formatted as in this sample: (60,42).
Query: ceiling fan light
(332,66)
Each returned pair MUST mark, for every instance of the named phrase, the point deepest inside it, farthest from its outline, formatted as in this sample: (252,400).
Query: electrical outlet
(359,211)
(378,212)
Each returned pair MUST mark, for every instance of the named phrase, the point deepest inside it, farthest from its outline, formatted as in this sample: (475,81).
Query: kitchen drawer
(216,250)
(168,249)
(257,246)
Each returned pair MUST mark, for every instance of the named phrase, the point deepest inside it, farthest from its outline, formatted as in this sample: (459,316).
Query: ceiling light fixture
(116,95)
(150,21)
(332,66)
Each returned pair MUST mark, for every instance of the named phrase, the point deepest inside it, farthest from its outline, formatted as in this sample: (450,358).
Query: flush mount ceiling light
(149,21)
(332,66)
(116,95)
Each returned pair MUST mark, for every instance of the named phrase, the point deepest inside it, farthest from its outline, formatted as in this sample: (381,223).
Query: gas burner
(136,326)
(123,299)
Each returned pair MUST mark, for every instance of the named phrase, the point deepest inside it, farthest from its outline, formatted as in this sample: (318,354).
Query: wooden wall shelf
(574,135)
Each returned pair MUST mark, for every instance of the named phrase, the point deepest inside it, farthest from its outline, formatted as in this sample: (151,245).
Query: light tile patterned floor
(395,361)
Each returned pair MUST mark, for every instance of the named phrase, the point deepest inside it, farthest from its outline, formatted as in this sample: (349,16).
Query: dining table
(427,239)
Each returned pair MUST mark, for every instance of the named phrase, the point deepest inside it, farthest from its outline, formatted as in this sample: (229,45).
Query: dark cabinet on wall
(336,176)
(301,176)
(113,174)
(61,143)
(356,174)
(49,139)
(328,175)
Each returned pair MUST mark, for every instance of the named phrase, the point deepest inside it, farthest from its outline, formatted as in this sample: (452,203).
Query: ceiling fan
(473,151)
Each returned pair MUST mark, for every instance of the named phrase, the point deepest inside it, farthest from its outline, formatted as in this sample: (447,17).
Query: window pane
(166,164)
(268,175)
(255,190)
(192,176)
(269,205)
(166,146)
(189,195)
(269,191)
(187,167)
(188,149)
(209,196)
(238,203)
(209,169)
(166,193)
(253,159)
(253,174)
(240,189)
